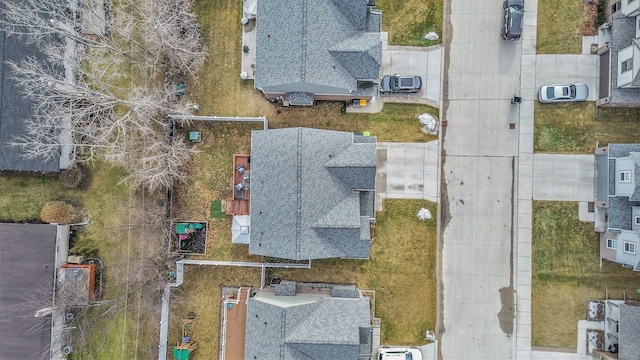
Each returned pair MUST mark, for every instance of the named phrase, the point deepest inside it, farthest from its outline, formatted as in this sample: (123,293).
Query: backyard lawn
(576,127)
(566,273)
(126,328)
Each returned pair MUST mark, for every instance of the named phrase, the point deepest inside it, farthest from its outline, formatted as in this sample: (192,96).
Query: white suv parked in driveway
(408,353)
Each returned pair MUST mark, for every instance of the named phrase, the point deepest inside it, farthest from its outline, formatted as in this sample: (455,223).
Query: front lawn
(407,22)
(559,24)
(576,127)
(566,273)
(401,270)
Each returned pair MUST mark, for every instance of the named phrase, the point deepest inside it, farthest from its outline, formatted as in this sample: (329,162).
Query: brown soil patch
(589,15)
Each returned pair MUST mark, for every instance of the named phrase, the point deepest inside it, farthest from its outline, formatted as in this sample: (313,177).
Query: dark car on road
(513,11)
(400,84)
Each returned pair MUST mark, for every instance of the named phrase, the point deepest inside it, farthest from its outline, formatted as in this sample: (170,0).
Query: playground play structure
(186,345)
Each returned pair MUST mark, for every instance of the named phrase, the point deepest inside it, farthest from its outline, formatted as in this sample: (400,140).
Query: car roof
(516,23)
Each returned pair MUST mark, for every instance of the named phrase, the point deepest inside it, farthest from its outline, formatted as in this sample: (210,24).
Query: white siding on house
(612,317)
(625,188)
(626,54)
(629,7)
(625,257)
(635,216)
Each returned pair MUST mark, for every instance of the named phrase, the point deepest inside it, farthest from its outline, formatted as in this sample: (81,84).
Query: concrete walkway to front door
(406,171)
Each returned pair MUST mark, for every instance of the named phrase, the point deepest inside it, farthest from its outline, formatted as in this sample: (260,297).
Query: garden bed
(189,237)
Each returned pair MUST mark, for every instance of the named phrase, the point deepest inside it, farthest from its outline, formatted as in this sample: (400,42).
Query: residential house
(309,321)
(310,50)
(29,256)
(312,193)
(15,108)
(621,331)
(619,54)
(617,205)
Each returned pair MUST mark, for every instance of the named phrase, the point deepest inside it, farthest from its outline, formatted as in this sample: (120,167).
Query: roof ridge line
(303,68)
(299,192)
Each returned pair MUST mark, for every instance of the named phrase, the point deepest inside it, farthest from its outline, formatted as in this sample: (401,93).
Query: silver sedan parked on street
(563,93)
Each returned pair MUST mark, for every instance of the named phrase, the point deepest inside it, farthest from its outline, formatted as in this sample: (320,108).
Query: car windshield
(393,83)
(517,8)
(551,92)
(572,90)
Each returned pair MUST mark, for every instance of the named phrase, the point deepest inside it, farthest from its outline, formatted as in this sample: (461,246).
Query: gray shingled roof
(310,193)
(325,329)
(15,108)
(620,206)
(623,32)
(27,264)
(620,212)
(316,46)
(629,332)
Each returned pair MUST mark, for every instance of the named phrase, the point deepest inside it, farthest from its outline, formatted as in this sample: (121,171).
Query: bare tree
(171,30)
(99,118)
(85,99)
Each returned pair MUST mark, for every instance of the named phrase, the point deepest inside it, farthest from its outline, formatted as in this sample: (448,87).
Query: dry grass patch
(559,24)
(566,273)
(576,127)
(409,21)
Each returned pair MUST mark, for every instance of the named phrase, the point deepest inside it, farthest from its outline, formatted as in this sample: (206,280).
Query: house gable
(628,65)
(321,47)
(308,193)
(307,326)
(622,206)
(619,67)
(630,7)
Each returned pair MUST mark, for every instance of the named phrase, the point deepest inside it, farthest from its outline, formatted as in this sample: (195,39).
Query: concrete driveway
(563,177)
(406,171)
(414,60)
(559,69)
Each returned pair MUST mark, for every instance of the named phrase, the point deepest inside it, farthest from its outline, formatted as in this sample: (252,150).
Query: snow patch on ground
(424,214)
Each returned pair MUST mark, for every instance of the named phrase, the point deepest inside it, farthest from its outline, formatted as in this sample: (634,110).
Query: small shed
(240,227)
